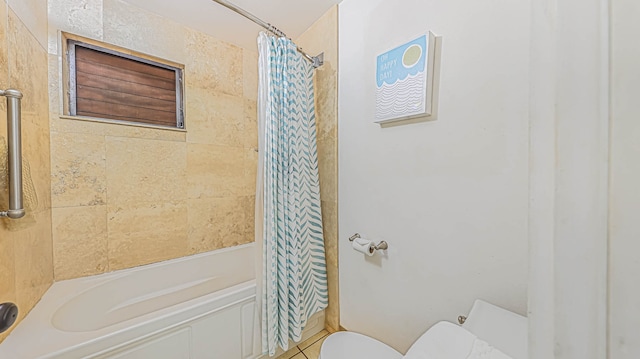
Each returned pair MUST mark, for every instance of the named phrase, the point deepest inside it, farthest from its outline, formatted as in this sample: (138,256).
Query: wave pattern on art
(401,99)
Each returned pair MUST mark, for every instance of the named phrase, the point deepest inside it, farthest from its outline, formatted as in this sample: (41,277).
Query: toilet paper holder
(380,246)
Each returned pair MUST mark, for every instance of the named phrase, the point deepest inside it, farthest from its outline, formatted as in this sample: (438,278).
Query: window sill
(122,123)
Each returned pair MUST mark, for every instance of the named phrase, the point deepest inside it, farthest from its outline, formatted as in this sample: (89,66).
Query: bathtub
(202,306)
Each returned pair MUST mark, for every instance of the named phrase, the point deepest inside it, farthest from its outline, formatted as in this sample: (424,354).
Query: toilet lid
(505,330)
(444,340)
(349,345)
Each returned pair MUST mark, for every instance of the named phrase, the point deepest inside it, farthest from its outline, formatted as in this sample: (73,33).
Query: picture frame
(405,80)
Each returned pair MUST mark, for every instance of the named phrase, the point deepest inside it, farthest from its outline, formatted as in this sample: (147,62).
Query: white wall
(450,196)
(624,235)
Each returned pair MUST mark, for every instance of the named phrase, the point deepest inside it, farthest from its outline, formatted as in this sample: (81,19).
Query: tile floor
(309,349)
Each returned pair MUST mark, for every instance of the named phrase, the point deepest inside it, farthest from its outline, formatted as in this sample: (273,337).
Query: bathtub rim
(37,325)
(91,283)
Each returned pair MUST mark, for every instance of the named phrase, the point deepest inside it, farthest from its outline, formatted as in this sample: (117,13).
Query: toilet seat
(349,345)
(506,331)
(443,340)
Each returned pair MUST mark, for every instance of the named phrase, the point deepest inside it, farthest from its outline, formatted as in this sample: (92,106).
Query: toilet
(489,330)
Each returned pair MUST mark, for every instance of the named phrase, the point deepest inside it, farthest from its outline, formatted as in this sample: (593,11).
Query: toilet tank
(503,329)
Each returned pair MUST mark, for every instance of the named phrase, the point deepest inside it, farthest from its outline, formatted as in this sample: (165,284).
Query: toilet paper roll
(364,246)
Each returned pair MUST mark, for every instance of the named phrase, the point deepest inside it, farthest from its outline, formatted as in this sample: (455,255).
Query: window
(113,85)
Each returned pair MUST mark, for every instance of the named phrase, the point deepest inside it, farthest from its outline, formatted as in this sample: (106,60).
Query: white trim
(542,152)
(569,162)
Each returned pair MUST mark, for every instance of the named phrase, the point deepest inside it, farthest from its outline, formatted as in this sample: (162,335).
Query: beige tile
(133,28)
(66,125)
(250,171)
(36,161)
(328,170)
(33,13)
(4,58)
(326,92)
(332,330)
(34,261)
(55,85)
(82,18)
(332,313)
(250,74)
(79,241)
(248,204)
(41,179)
(145,170)
(143,233)
(7,270)
(78,170)
(216,171)
(6,334)
(330,228)
(26,264)
(32,236)
(35,140)
(204,233)
(251,124)
(215,118)
(216,223)
(28,67)
(313,352)
(213,64)
(309,342)
(291,353)
(19,227)
(7,293)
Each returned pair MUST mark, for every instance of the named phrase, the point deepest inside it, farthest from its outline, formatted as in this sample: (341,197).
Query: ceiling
(291,16)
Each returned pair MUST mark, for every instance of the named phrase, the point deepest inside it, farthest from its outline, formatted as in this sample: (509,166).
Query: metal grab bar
(16,206)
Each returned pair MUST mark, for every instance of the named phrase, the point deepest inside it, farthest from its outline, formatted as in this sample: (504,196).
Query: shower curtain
(289,222)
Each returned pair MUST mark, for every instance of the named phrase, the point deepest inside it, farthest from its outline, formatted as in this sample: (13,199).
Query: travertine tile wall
(125,196)
(323,37)
(26,265)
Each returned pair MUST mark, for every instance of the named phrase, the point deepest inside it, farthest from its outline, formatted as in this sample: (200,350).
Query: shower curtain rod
(317,61)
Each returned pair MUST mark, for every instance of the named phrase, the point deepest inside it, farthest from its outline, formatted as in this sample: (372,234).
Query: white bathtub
(201,306)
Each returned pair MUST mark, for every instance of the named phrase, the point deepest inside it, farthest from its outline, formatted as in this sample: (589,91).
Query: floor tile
(307,343)
(293,352)
(313,351)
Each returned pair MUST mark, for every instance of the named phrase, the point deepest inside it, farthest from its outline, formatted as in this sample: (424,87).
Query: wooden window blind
(112,85)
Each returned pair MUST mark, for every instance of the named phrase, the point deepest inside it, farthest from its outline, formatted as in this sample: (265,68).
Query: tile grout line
(310,345)
(299,351)
(307,347)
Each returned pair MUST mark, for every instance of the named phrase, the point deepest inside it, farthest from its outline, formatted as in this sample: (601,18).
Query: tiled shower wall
(26,268)
(124,196)
(323,37)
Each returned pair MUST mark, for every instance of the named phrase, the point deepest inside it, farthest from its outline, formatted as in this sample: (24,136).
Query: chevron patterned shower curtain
(294,276)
